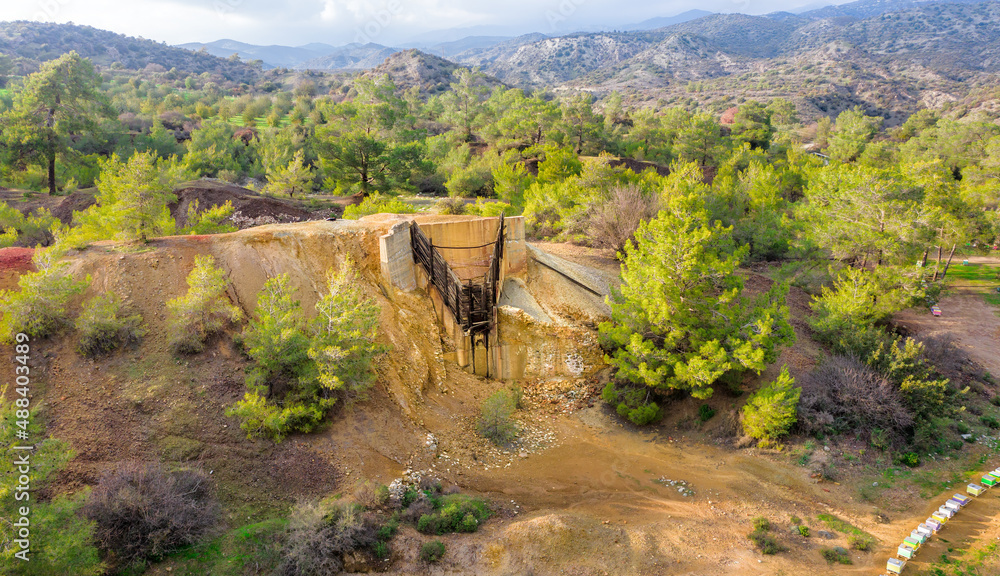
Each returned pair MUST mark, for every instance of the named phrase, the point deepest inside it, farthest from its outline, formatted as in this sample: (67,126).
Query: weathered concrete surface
(455,234)
(396,258)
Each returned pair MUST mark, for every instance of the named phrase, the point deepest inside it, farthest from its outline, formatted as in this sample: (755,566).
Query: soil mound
(251,209)
(76,202)
(16,261)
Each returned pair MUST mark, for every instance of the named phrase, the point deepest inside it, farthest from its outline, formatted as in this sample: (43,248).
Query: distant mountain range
(891,56)
(320,56)
(37,42)
(315,56)
(527,59)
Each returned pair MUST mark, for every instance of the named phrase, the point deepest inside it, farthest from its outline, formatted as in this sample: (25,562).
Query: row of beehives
(912,543)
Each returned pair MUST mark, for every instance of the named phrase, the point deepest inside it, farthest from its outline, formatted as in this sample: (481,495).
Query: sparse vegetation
(203,311)
(432,551)
(763,539)
(836,555)
(103,328)
(857,538)
(496,418)
(39,308)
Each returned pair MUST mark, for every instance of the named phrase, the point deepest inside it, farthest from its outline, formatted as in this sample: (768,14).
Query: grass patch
(971,562)
(933,482)
(251,549)
(836,555)
(856,537)
(180,449)
(979,273)
(454,513)
(993,299)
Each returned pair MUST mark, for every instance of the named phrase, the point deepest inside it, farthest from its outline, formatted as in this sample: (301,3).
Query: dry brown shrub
(843,395)
(613,223)
(141,511)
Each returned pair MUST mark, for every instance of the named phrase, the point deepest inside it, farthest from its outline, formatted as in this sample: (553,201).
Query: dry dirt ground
(966,318)
(582,494)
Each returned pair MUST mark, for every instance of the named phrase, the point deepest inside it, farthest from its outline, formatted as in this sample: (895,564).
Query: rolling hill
(36,42)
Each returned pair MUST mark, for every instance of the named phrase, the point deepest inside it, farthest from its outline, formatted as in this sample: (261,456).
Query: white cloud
(329,12)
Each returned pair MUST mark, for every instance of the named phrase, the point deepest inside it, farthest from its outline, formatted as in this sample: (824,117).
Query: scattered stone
(682,486)
(827,535)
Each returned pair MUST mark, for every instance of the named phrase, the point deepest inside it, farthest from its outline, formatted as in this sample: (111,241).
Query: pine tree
(771,411)
(204,310)
(295,177)
(343,346)
(136,194)
(62,99)
(681,319)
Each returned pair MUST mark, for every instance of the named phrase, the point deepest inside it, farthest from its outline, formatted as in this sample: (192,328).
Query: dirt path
(966,318)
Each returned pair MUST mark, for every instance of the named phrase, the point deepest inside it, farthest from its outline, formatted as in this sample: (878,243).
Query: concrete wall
(473,231)
(400,271)
(396,258)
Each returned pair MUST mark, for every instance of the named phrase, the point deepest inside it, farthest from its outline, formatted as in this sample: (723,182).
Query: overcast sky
(298,22)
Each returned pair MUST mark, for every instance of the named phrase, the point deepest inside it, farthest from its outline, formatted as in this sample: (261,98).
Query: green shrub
(862,542)
(32,230)
(103,328)
(766,543)
(62,540)
(771,411)
(381,550)
(432,551)
(880,439)
(836,555)
(761,523)
(210,220)
(203,311)
(378,204)
(705,412)
(796,520)
(632,403)
(490,209)
(450,206)
(990,422)
(909,459)
(803,531)
(496,422)
(38,309)
(454,513)
(857,301)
